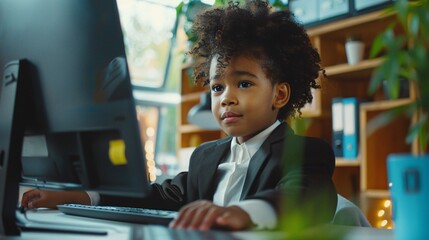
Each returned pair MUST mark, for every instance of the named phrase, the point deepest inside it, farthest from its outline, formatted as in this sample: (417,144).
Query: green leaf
(179,8)
(424,133)
(377,46)
(424,20)
(401,7)
(393,78)
(388,36)
(414,25)
(418,129)
(220,3)
(419,54)
(378,77)
(300,125)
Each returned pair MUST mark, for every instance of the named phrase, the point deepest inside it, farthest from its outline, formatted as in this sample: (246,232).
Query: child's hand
(37,198)
(203,215)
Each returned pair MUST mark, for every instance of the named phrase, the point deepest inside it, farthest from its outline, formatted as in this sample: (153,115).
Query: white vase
(354,51)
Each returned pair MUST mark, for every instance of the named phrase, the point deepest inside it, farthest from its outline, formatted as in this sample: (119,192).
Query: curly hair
(280,44)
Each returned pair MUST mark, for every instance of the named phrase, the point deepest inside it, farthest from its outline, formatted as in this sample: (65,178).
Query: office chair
(349,214)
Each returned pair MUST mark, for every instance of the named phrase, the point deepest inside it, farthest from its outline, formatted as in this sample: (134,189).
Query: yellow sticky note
(117,152)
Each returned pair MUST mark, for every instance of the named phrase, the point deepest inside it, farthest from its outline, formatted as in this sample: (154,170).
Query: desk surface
(120,230)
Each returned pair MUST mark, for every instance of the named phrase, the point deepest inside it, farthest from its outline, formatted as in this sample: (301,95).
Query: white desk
(119,230)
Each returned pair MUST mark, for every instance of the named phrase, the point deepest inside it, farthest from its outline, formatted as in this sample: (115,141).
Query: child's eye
(244,84)
(217,88)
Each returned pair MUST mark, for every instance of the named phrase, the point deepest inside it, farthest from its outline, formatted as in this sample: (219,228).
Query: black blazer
(291,172)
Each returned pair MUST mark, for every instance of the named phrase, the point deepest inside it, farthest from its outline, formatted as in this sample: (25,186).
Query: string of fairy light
(149,147)
(383,214)
(147,123)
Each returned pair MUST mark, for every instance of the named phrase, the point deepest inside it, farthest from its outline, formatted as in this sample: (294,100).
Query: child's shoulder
(307,143)
(317,142)
(221,141)
(209,145)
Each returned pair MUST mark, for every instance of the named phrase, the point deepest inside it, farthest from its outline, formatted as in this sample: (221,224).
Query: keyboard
(122,214)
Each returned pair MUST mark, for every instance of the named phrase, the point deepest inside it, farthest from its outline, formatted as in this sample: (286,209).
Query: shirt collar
(252,145)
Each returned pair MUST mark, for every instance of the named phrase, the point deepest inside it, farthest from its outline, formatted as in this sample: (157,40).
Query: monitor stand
(12,112)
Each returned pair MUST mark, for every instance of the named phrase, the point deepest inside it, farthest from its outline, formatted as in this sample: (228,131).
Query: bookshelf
(364,179)
(191,135)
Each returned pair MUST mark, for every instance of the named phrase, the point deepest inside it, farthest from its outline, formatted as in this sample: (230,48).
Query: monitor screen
(80,125)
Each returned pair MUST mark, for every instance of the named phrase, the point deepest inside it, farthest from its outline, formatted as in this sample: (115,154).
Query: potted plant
(407,57)
(355,48)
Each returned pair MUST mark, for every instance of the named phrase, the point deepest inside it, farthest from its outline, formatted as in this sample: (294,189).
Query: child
(260,67)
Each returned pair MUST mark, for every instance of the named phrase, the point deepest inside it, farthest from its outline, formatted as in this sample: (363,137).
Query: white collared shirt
(231,175)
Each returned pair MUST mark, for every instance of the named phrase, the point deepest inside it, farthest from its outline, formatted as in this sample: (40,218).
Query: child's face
(244,101)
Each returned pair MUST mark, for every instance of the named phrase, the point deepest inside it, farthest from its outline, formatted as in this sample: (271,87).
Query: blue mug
(408,177)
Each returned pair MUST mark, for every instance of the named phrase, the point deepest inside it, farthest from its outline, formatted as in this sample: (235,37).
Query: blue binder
(337,126)
(351,128)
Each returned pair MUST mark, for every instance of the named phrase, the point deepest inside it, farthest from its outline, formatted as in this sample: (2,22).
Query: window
(149,29)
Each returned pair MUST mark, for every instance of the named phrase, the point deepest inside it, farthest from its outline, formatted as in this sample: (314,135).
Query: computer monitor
(67,114)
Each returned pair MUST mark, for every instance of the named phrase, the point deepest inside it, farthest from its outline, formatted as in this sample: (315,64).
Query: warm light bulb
(152,177)
(149,146)
(149,156)
(150,132)
(381,213)
(387,203)
(384,223)
(150,163)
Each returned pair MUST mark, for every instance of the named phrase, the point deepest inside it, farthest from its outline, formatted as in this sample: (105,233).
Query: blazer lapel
(261,156)
(208,167)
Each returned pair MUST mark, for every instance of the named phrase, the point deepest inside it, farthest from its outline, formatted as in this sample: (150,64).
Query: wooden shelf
(384,105)
(341,162)
(350,23)
(345,71)
(376,194)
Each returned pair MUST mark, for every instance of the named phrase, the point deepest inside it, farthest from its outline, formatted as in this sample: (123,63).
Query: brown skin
(204,215)
(244,102)
(50,199)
